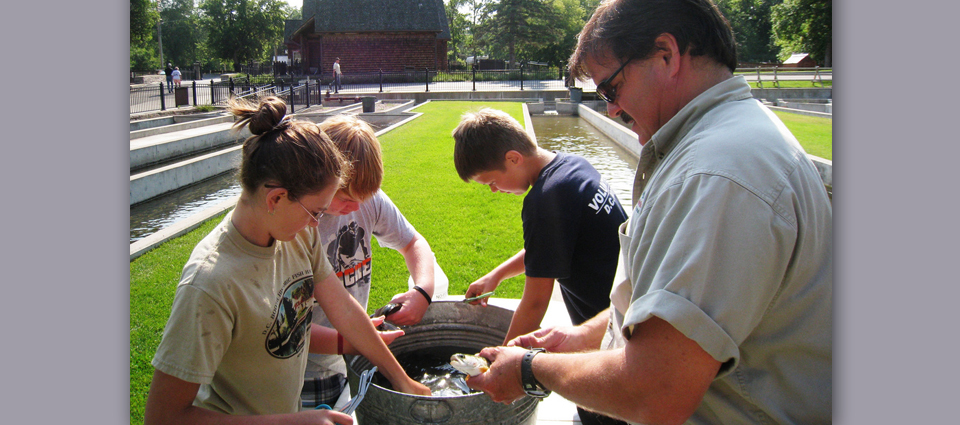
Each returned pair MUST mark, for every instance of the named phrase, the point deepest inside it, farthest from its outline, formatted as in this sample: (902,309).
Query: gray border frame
(65,215)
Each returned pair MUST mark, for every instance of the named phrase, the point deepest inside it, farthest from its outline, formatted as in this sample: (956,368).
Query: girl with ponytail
(239,331)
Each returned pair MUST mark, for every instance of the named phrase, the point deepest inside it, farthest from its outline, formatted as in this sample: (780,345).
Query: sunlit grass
(815,134)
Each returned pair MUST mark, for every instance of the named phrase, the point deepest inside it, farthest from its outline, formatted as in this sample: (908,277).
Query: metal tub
(447,327)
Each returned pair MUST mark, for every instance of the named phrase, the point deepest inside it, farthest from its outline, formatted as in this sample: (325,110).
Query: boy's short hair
(358,143)
(483,139)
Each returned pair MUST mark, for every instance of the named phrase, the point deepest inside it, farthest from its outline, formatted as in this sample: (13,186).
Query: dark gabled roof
(378,16)
(290,27)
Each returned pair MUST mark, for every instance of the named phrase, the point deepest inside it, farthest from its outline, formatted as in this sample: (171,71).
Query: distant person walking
(168,71)
(176,76)
(336,76)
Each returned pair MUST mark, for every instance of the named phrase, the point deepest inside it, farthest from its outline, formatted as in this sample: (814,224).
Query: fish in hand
(469,364)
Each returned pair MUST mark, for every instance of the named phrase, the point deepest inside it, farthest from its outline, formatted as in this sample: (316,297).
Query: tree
(242,30)
(571,15)
(459,36)
(804,26)
(474,12)
(143,23)
(521,26)
(752,28)
(181,32)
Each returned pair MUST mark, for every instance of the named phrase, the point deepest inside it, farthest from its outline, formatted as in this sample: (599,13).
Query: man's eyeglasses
(605,90)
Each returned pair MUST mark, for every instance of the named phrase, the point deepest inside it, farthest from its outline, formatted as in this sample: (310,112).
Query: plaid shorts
(322,391)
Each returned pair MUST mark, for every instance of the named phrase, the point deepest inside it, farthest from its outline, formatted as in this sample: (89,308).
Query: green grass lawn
(815,134)
(470,229)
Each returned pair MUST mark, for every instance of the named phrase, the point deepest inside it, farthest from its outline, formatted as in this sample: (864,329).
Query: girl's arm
(348,317)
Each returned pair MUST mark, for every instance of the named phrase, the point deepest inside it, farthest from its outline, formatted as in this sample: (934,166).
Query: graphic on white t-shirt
(350,255)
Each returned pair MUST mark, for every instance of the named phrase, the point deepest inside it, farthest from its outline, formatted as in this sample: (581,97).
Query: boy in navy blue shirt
(570,218)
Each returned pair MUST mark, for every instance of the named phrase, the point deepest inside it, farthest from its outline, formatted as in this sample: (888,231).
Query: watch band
(530,384)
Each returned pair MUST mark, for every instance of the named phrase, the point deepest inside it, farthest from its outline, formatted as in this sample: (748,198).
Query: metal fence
(304,91)
(160,97)
(308,90)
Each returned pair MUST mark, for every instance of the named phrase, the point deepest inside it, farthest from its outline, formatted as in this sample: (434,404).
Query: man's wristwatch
(531,386)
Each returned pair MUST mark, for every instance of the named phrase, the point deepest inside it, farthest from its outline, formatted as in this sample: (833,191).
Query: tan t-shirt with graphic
(240,322)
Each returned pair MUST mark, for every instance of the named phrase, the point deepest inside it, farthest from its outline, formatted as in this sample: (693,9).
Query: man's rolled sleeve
(687,318)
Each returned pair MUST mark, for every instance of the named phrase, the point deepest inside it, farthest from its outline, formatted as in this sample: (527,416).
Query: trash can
(369,103)
(181,97)
(576,94)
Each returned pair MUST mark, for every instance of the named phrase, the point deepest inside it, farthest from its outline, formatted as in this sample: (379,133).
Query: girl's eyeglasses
(314,216)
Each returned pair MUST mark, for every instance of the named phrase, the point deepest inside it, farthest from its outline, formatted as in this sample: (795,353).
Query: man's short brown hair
(358,143)
(483,139)
(626,30)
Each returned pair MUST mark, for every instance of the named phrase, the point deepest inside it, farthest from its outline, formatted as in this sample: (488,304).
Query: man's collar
(731,89)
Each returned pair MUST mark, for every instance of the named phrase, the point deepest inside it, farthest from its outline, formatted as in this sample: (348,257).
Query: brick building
(369,35)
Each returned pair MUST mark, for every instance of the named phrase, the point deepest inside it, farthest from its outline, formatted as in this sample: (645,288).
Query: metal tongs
(365,379)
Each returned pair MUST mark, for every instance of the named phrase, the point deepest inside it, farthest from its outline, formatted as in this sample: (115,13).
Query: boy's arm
(586,336)
(532,308)
(349,318)
(510,268)
(419,258)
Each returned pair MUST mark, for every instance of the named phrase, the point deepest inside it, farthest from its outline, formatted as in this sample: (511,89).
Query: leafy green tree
(294,12)
(571,15)
(459,35)
(242,30)
(181,32)
(475,14)
(143,21)
(143,24)
(520,26)
(804,26)
(752,28)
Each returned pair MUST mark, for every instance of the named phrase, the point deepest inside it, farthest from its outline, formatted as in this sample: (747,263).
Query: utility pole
(159,34)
